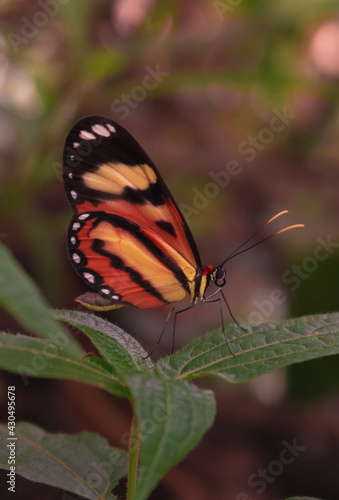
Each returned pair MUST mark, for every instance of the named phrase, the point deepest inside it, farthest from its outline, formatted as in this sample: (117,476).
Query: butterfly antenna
(238,250)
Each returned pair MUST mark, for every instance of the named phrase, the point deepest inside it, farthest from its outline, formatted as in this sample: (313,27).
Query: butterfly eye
(220,277)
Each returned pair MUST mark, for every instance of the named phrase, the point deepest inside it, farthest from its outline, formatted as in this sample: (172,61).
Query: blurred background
(236,102)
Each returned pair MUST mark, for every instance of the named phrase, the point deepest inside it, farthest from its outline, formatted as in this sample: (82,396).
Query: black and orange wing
(127,238)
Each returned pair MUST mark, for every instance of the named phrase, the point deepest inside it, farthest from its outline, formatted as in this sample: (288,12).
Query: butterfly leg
(177,310)
(208,299)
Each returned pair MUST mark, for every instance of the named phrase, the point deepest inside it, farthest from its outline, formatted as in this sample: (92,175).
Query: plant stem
(133,458)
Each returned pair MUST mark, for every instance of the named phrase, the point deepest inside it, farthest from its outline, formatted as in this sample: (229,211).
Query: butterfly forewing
(127,239)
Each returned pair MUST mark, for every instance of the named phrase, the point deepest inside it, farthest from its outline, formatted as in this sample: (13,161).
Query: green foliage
(170,414)
(119,349)
(302,498)
(21,298)
(315,379)
(261,349)
(84,464)
(172,417)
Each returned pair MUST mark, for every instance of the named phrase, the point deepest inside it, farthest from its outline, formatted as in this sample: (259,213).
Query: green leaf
(172,417)
(260,350)
(35,357)
(20,296)
(84,464)
(102,364)
(119,349)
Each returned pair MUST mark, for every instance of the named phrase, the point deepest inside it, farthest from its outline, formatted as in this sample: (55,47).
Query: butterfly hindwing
(127,239)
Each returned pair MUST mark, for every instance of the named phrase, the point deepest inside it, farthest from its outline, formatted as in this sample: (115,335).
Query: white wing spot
(111,128)
(76,144)
(74,195)
(76,226)
(88,136)
(73,240)
(70,175)
(76,258)
(83,216)
(89,277)
(115,297)
(100,130)
(105,291)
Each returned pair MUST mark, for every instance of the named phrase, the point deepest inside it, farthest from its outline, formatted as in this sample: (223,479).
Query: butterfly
(128,239)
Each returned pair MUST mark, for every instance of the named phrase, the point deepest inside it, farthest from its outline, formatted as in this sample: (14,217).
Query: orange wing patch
(163,220)
(123,264)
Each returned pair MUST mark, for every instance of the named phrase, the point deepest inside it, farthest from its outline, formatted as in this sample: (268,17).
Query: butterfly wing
(127,239)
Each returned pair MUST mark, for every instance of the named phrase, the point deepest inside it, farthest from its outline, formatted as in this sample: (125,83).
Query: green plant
(170,413)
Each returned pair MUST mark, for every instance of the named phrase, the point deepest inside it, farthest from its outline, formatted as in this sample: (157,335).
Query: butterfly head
(216,274)
(219,276)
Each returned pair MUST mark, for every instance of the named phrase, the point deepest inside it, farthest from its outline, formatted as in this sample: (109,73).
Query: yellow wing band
(115,177)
